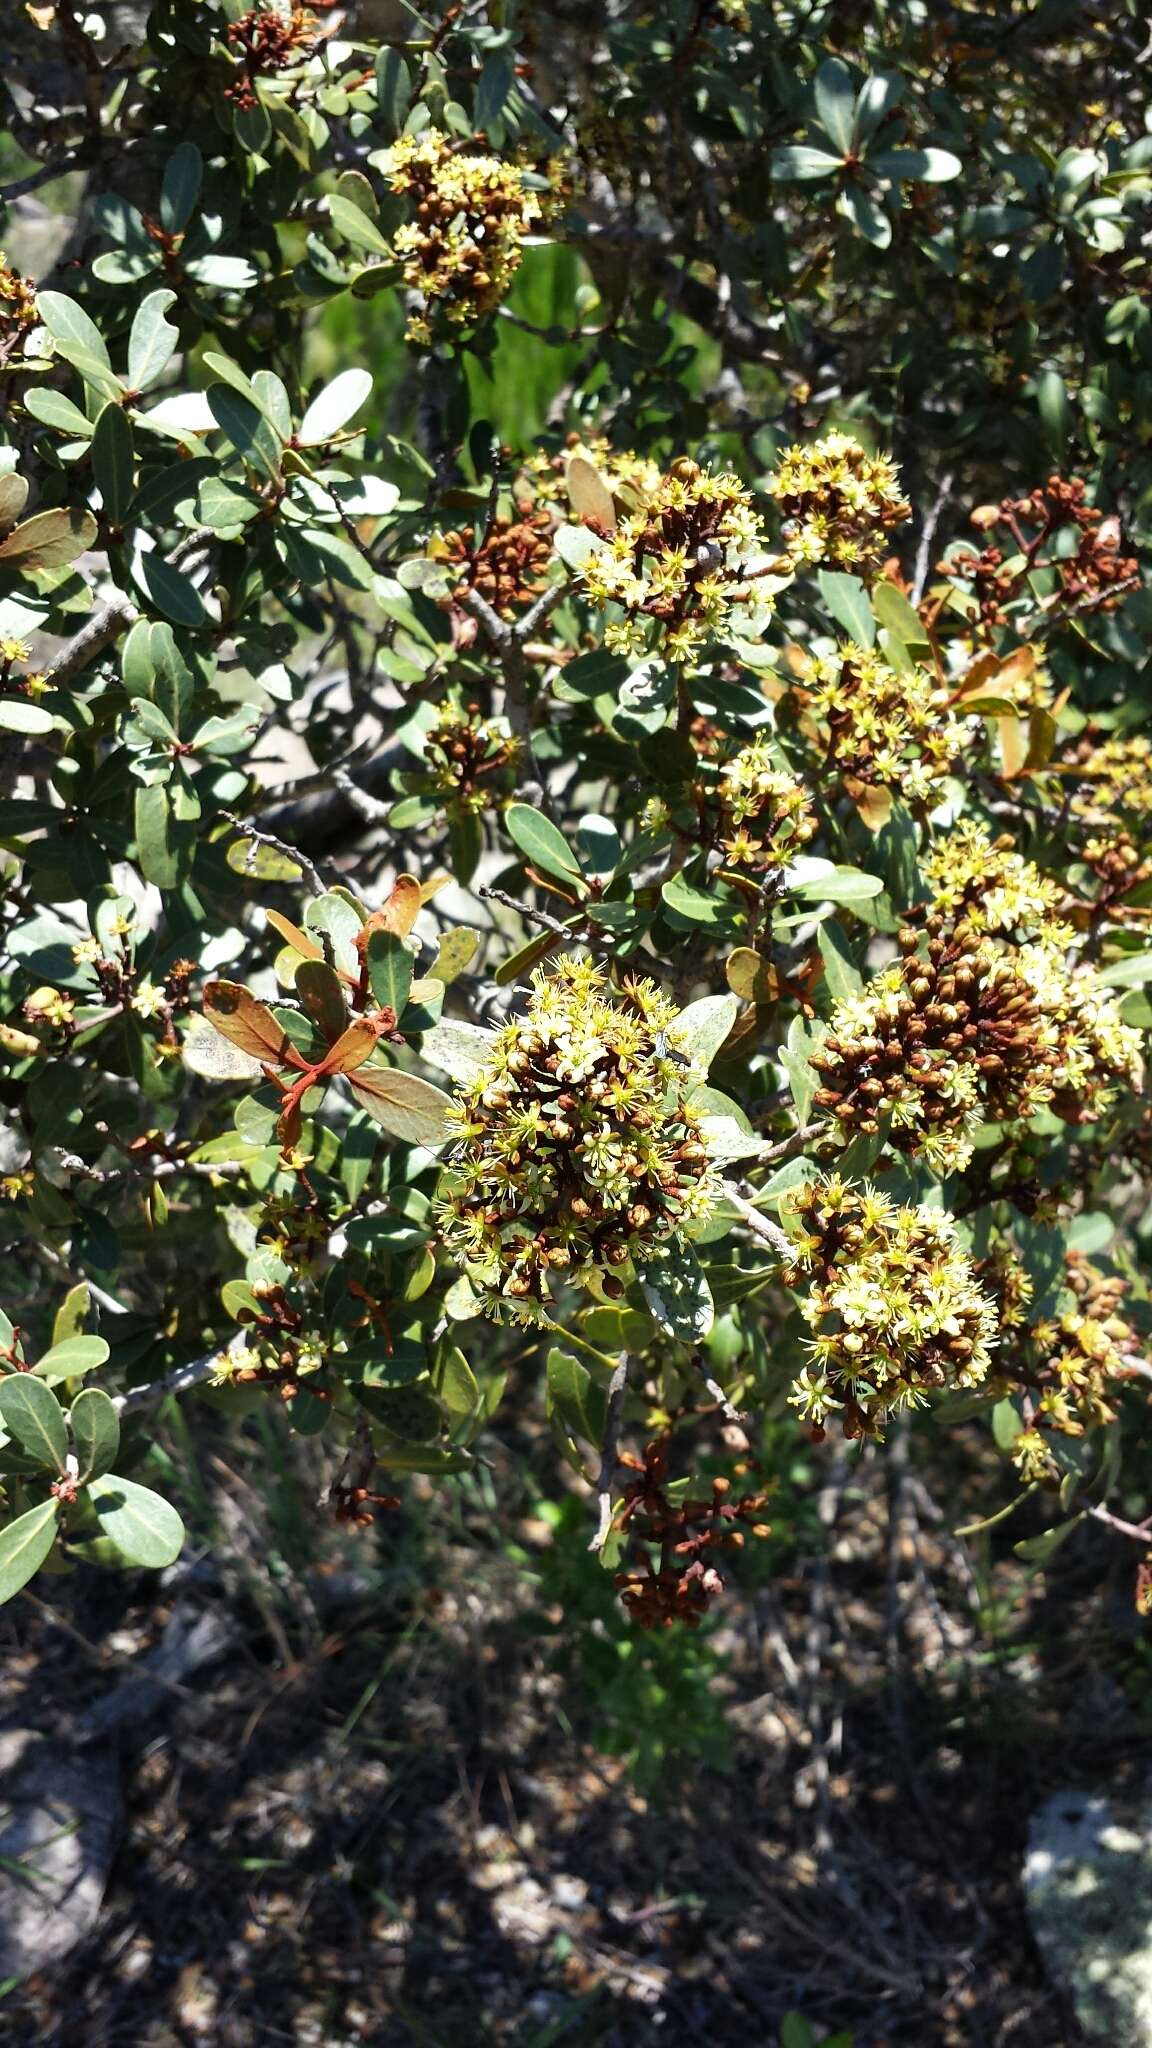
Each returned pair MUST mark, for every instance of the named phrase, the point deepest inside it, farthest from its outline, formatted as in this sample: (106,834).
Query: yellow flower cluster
(465,245)
(18,313)
(1115,776)
(877,728)
(577,1154)
(1070,1368)
(973,1026)
(766,815)
(893,1303)
(631,477)
(686,560)
(838,503)
(990,885)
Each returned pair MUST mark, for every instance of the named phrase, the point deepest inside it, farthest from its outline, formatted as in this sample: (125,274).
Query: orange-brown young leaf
(237,1016)
(302,942)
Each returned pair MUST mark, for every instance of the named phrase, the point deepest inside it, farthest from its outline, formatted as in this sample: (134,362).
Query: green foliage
(677,495)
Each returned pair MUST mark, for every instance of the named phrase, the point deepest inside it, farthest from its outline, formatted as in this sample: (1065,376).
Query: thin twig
(367,807)
(260,837)
(1140,1532)
(728,1409)
(101,629)
(758,1224)
(525,910)
(181,1380)
(927,536)
(610,1451)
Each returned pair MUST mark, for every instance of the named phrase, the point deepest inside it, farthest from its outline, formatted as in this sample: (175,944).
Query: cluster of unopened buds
(470,760)
(973,1024)
(689,1535)
(507,563)
(1090,577)
(895,1309)
(766,814)
(874,728)
(1069,1368)
(576,1153)
(839,505)
(267,41)
(473,213)
(687,560)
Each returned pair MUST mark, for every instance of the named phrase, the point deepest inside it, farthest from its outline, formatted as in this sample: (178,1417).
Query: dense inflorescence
(992,886)
(470,760)
(1068,1368)
(1113,776)
(577,1154)
(766,813)
(631,477)
(892,1301)
(839,504)
(18,315)
(507,563)
(267,41)
(968,1025)
(684,560)
(876,728)
(473,214)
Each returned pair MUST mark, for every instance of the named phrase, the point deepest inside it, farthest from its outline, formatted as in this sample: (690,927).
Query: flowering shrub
(575,797)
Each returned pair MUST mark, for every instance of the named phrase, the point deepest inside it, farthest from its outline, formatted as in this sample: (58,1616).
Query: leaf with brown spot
(249,1024)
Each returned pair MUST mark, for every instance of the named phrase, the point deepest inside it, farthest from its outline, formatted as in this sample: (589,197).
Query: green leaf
(50,540)
(574,1404)
(393,90)
(24,1545)
(224,504)
(68,324)
(702,1028)
(1055,411)
(677,1292)
(169,590)
(248,429)
(31,1414)
(866,214)
(461,1049)
(403,1104)
(155,844)
(921,166)
(847,600)
(180,190)
(356,227)
(16,715)
(72,1357)
(1130,972)
(70,1316)
(55,410)
(834,91)
(113,461)
(152,341)
(390,966)
(843,885)
(1006,1424)
(322,996)
(840,970)
(1038,1549)
(145,1529)
(697,906)
(333,407)
(95,1432)
(802,1078)
(799,163)
(541,843)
